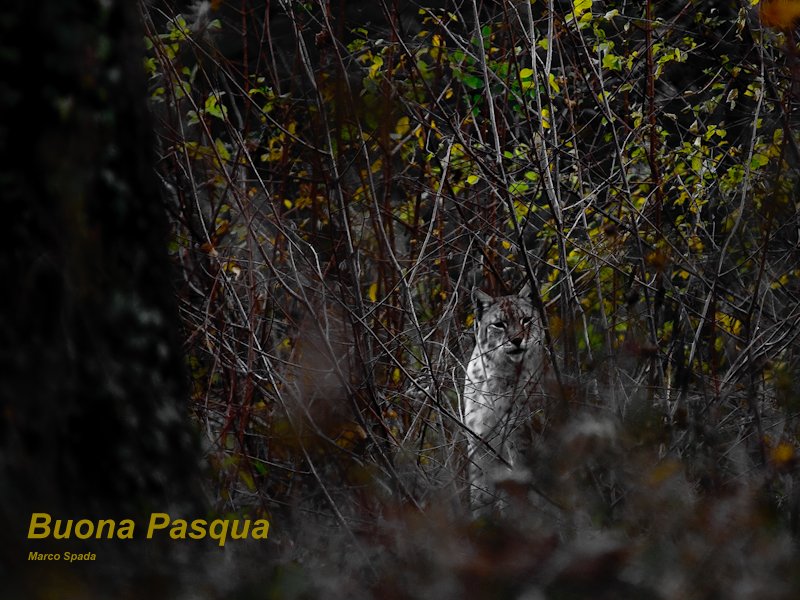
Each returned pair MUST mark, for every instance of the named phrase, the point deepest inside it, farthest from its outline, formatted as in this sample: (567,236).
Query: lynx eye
(499,325)
(526,321)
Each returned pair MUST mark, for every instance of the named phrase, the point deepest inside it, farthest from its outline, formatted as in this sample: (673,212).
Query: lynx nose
(517,341)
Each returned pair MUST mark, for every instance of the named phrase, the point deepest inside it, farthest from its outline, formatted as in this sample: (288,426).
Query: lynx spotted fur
(500,388)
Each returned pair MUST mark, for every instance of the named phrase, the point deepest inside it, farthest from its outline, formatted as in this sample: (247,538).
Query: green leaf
(518,188)
(150,66)
(222,150)
(759,160)
(473,82)
(612,62)
(213,106)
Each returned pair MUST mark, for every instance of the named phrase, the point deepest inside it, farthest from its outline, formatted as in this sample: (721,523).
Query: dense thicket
(342,177)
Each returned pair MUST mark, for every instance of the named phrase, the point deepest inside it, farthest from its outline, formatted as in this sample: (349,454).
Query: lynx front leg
(489,459)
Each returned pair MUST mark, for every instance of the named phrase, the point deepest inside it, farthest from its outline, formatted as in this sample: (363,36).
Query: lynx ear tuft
(482,302)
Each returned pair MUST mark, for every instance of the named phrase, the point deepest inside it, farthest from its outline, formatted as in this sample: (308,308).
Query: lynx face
(507,328)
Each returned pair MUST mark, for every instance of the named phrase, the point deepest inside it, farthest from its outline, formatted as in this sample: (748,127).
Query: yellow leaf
(222,228)
(553,84)
(233,268)
(350,435)
(546,118)
(402,126)
(782,454)
(780,14)
(372,293)
(247,479)
(420,135)
(377,63)
(728,323)
(581,6)
(695,243)
(657,259)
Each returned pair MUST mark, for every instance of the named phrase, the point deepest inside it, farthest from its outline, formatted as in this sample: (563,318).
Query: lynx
(499,388)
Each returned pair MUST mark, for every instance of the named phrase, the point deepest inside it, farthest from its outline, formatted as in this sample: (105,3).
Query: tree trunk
(93,420)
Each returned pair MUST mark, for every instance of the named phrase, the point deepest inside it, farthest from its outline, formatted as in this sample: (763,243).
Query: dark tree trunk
(93,421)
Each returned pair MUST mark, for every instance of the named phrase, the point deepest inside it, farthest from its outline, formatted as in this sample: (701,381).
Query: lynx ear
(526,292)
(482,302)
